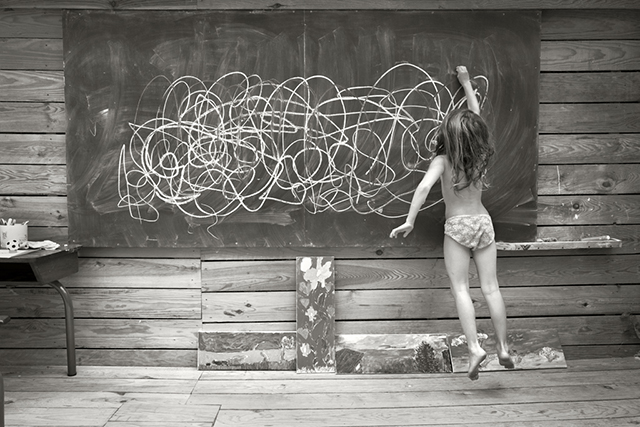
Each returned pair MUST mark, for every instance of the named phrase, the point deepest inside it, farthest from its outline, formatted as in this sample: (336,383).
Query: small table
(46,267)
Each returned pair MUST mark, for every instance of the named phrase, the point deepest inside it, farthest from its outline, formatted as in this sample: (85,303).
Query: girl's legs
(485,260)
(456,260)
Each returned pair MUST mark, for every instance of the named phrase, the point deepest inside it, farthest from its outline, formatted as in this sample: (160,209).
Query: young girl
(462,153)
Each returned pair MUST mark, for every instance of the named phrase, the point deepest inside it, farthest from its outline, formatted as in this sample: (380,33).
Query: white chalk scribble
(241,142)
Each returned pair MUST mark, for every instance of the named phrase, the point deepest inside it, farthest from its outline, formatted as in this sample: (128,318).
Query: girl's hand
(463,74)
(404,228)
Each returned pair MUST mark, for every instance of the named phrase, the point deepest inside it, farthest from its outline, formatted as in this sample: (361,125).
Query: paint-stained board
(315,315)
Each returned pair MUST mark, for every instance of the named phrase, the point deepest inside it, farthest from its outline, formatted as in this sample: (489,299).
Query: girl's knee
(489,289)
(460,290)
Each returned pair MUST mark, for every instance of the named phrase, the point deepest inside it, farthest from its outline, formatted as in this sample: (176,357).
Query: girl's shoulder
(439,164)
(440,159)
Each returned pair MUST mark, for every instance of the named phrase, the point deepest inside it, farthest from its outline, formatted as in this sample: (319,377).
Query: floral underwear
(471,231)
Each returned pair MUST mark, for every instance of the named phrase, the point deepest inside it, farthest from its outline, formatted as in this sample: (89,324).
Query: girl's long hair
(464,138)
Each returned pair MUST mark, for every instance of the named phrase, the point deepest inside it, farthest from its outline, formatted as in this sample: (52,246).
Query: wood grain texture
(421,304)
(101,357)
(39,333)
(31,54)
(573,330)
(500,398)
(103,303)
(31,23)
(318,399)
(589,118)
(590,55)
(152,413)
(255,276)
(322,4)
(136,273)
(165,253)
(27,149)
(32,117)
(559,412)
(600,148)
(374,252)
(55,234)
(590,25)
(47,211)
(33,180)
(590,87)
(582,210)
(589,179)
(45,86)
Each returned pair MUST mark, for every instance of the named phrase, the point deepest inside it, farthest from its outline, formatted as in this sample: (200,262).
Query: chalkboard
(287,128)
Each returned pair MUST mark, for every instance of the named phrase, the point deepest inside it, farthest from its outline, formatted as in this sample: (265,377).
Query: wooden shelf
(587,243)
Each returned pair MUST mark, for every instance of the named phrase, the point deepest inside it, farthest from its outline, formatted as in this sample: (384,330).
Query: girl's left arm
(436,168)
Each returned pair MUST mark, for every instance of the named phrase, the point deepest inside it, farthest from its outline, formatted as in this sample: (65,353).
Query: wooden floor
(597,392)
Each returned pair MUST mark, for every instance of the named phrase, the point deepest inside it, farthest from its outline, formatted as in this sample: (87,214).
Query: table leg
(71,341)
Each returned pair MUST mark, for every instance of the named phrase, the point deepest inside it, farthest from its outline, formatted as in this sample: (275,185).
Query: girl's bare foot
(475,359)
(505,360)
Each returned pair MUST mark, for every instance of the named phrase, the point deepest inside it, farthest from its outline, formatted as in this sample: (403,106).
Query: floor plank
(576,393)
(428,382)
(588,393)
(59,417)
(438,416)
(178,414)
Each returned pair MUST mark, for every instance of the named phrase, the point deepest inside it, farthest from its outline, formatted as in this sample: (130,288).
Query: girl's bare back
(466,201)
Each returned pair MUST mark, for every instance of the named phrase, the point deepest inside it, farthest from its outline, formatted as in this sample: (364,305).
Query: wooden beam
(103,334)
(590,87)
(590,55)
(590,24)
(31,54)
(129,303)
(561,149)
(321,4)
(590,118)
(422,304)
(588,179)
(31,23)
(269,276)
(21,117)
(47,211)
(583,210)
(33,149)
(572,330)
(136,273)
(33,179)
(101,357)
(25,86)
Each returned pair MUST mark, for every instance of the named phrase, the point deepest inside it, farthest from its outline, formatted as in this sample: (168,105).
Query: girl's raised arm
(465,81)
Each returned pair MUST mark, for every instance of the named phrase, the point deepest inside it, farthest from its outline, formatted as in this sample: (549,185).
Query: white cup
(17,232)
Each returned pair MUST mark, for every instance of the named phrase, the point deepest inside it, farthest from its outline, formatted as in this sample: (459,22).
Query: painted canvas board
(534,349)
(247,351)
(287,128)
(392,353)
(315,315)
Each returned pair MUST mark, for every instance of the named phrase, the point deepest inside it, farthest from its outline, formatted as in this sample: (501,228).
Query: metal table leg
(71,341)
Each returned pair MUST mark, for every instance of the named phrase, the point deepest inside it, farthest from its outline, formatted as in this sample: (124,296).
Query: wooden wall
(145,306)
